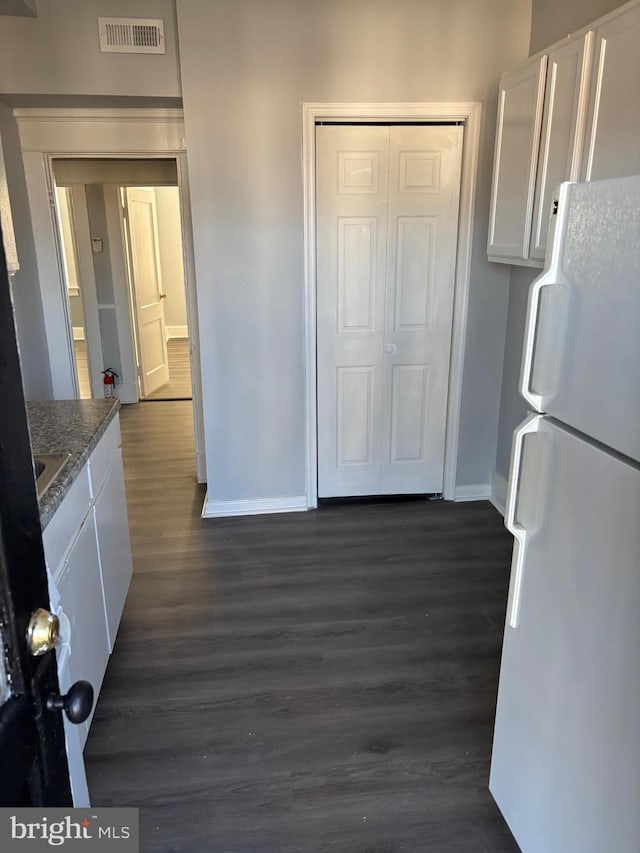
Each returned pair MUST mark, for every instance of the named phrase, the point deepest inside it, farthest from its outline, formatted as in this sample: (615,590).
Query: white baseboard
(177,332)
(258,506)
(473,493)
(127,392)
(498,496)
(78,333)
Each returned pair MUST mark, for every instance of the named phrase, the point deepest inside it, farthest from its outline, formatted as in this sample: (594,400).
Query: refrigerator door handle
(530,425)
(553,274)
(531,327)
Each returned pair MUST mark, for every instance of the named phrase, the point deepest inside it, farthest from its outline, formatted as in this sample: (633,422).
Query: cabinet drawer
(59,534)
(102,457)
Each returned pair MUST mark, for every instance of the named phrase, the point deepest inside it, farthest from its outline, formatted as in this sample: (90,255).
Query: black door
(33,763)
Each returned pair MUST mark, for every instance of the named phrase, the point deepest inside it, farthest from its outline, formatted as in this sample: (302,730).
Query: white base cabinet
(89,562)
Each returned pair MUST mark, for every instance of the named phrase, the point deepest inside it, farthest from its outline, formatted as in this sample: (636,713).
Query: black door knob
(76,704)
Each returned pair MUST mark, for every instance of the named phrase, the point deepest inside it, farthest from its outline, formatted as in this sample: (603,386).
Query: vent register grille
(131,35)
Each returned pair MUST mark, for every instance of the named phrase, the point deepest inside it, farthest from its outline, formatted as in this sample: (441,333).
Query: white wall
(247,66)
(18,7)
(552,20)
(171,260)
(58,52)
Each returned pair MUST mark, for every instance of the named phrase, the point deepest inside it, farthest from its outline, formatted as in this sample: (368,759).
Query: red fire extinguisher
(109,382)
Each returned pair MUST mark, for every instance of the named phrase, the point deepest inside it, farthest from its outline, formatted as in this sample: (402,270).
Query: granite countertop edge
(67,426)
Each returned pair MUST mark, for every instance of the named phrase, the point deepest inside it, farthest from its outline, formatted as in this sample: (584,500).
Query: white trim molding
(127,392)
(480,492)
(95,131)
(498,496)
(176,332)
(469,114)
(255,506)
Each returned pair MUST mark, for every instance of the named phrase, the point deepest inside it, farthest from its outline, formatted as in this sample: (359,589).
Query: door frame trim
(47,133)
(81,237)
(469,113)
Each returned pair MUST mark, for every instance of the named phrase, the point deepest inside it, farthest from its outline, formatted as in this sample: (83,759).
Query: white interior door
(146,283)
(387,214)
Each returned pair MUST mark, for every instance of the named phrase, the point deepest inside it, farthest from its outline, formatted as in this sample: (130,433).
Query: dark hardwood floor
(318,681)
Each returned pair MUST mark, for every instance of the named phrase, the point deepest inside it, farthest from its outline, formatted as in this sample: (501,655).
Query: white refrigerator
(565,768)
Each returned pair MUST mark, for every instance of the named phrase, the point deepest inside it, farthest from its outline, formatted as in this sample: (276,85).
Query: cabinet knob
(42,632)
(76,704)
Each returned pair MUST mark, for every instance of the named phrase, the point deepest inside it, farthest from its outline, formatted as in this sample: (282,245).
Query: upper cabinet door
(565,112)
(514,171)
(613,136)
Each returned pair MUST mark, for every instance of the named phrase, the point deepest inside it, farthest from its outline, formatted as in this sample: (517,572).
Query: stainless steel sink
(47,467)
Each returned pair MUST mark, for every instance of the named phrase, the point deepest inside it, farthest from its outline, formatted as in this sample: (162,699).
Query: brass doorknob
(43,631)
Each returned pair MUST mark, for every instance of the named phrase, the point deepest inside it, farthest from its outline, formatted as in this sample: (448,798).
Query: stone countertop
(67,426)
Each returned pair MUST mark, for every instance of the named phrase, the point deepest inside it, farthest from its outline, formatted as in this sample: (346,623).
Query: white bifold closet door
(387,222)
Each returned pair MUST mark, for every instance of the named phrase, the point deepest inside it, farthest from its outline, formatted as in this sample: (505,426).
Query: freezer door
(582,345)
(565,768)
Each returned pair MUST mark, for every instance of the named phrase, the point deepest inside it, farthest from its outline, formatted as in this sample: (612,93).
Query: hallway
(307,682)
(177,388)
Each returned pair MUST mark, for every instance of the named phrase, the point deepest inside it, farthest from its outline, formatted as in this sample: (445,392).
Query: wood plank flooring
(179,385)
(318,681)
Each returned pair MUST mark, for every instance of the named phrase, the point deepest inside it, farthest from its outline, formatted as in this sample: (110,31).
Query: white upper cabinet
(571,113)
(517,141)
(564,118)
(613,134)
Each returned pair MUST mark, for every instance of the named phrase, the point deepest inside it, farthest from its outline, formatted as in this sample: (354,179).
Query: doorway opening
(154,254)
(131,147)
(123,259)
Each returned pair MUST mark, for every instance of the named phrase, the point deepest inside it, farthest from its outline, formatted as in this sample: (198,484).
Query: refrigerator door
(582,344)
(565,768)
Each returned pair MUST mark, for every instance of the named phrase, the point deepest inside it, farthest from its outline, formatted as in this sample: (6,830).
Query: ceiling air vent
(131,35)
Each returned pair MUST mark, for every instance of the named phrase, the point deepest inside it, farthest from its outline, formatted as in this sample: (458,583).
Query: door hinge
(52,199)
